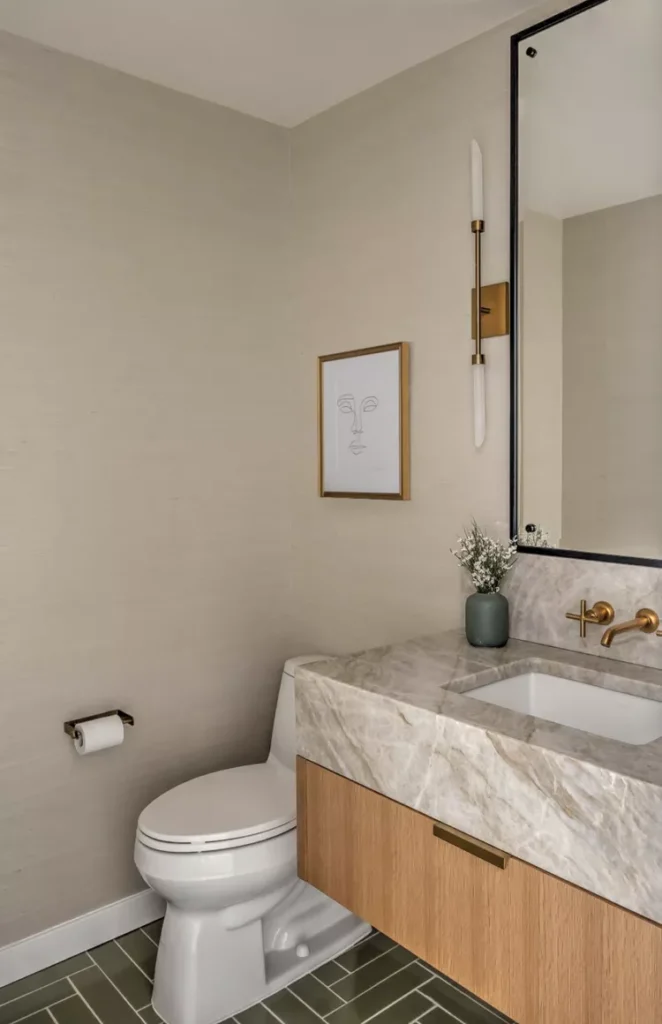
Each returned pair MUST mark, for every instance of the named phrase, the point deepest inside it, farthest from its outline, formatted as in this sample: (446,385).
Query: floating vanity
(512,838)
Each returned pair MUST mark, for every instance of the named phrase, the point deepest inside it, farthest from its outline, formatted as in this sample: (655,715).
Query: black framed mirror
(586,283)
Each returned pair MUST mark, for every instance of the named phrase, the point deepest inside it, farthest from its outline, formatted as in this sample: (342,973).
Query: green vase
(486,618)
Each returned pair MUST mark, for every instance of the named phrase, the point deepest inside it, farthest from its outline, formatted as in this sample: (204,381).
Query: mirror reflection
(590,282)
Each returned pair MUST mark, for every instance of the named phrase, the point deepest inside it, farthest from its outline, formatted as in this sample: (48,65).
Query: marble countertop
(586,808)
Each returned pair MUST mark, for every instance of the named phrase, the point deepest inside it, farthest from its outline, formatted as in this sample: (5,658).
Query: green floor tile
(73,1011)
(150,1016)
(103,999)
(316,995)
(123,973)
(40,1017)
(381,996)
(438,1016)
(61,970)
(372,973)
(288,1008)
(257,1014)
(141,950)
(463,1006)
(328,973)
(405,1010)
(154,930)
(33,1001)
(364,952)
(376,982)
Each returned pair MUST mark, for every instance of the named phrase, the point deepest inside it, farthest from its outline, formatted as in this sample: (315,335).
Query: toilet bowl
(221,850)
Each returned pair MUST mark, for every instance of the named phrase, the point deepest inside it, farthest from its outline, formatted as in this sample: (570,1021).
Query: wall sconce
(489,305)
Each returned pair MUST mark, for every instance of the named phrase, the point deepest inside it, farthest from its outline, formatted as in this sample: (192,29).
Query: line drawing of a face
(347,404)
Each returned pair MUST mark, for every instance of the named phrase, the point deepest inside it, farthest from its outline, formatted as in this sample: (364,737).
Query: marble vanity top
(586,808)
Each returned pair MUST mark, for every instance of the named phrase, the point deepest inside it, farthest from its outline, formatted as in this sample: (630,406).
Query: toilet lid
(230,804)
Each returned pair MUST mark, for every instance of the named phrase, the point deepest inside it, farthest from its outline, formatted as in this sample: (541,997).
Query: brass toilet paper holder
(70,727)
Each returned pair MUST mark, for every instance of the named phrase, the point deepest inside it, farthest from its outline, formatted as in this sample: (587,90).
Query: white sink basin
(618,716)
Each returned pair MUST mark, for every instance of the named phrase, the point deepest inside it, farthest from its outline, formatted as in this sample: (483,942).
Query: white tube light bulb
(478,374)
(476,182)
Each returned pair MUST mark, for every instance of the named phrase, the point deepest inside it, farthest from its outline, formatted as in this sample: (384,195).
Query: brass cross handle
(601,614)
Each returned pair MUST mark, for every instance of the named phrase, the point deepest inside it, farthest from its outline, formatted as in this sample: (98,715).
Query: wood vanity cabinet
(537,948)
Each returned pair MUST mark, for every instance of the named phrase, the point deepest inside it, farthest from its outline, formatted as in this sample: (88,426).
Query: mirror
(586,237)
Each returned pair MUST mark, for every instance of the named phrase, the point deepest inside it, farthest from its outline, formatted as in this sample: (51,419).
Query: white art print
(363,423)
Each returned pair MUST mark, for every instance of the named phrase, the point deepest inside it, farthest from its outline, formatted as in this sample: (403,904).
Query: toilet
(222,852)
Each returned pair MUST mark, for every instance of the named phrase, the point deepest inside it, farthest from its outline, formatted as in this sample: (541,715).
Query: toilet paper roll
(99,734)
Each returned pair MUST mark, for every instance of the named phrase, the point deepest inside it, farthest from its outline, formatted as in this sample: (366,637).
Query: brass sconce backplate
(494,302)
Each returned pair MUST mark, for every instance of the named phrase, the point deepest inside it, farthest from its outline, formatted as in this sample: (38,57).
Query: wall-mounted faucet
(602,613)
(646,621)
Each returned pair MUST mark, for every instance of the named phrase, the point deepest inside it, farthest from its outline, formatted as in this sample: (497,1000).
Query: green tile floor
(376,981)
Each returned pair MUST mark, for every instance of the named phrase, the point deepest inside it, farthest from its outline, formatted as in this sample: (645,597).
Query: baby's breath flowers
(486,560)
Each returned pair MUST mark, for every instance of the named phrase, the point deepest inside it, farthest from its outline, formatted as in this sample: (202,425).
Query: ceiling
(281,60)
(590,102)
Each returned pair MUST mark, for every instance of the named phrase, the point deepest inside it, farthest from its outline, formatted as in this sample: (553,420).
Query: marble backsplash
(541,589)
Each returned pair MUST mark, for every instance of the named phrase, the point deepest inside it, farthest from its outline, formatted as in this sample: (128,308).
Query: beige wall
(145,519)
(382,218)
(612,328)
(541,369)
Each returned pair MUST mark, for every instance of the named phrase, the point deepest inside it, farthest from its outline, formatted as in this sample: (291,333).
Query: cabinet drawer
(537,948)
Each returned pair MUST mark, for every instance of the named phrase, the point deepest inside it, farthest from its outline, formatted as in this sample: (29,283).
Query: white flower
(487,560)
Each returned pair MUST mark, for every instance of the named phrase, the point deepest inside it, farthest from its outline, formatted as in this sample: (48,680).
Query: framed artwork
(364,423)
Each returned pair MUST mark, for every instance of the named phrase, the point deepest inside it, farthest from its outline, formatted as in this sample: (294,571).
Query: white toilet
(221,850)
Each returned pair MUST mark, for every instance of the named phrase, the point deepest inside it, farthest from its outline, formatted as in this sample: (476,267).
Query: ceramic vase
(486,619)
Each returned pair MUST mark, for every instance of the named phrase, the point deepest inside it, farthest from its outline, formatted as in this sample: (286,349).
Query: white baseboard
(44,949)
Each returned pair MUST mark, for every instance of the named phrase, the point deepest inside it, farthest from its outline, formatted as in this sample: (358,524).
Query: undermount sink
(617,716)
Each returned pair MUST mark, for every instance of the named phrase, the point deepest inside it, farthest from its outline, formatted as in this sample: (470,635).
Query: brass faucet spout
(646,621)
(622,627)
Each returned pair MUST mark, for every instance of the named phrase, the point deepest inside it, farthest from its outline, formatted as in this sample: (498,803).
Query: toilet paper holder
(70,727)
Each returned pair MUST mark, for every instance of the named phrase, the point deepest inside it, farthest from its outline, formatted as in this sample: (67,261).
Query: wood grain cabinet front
(537,948)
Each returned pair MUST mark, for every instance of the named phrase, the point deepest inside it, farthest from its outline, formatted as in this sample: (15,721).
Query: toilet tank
(283,740)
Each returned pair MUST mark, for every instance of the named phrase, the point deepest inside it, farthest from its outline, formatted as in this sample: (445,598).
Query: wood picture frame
(363,423)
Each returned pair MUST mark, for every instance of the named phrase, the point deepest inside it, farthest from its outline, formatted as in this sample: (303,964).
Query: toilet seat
(223,810)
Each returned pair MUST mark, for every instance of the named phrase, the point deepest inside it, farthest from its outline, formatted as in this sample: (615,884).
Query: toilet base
(206,972)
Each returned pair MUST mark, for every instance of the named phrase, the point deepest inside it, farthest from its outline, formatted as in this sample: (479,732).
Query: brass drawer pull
(470,845)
